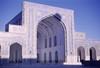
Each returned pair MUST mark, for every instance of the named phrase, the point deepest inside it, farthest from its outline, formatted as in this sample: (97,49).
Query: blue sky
(87,13)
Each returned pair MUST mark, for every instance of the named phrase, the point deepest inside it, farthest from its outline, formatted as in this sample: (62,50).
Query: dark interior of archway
(15,53)
(81,53)
(92,54)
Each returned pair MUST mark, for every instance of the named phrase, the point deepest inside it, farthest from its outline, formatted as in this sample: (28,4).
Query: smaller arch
(44,57)
(45,43)
(55,40)
(56,56)
(50,42)
(92,53)
(15,53)
(38,60)
(81,54)
(50,57)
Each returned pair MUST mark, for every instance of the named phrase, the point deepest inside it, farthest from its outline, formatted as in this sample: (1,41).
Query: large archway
(51,37)
(81,54)
(92,53)
(15,53)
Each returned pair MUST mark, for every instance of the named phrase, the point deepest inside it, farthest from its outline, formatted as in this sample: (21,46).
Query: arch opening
(51,34)
(56,57)
(38,58)
(92,54)
(44,57)
(81,54)
(15,53)
(50,57)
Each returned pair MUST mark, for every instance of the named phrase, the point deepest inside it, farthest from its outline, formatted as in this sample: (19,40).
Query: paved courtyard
(44,66)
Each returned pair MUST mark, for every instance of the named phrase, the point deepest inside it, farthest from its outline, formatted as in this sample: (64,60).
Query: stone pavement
(43,66)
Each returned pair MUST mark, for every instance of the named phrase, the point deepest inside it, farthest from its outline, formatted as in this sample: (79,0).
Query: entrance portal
(51,38)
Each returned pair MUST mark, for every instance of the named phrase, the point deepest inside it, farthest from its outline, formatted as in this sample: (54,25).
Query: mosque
(45,34)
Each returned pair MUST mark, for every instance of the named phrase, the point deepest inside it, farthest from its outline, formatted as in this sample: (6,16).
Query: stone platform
(44,66)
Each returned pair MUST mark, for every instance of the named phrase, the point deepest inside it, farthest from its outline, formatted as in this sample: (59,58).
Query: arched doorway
(37,58)
(56,57)
(81,54)
(51,33)
(92,53)
(44,57)
(15,53)
(50,57)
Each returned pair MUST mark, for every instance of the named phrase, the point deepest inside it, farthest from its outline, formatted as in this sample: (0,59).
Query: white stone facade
(45,34)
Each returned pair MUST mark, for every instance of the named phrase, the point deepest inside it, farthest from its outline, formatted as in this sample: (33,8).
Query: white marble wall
(26,35)
(7,39)
(33,13)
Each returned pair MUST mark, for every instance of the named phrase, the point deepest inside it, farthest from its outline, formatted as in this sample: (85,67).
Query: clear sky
(86,13)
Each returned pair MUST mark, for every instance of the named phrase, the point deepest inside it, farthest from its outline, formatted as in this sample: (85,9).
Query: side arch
(50,57)
(80,54)
(15,53)
(56,56)
(92,53)
(44,57)
(38,58)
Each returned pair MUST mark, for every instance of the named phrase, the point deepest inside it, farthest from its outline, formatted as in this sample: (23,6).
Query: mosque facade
(45,34)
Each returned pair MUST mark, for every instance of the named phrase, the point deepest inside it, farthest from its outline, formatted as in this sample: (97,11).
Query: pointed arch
(53,26)
(56,56)
(92,53)
(38,60)
(15,53)
(44,57)
(50,57)
(81,54)
(52,33)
